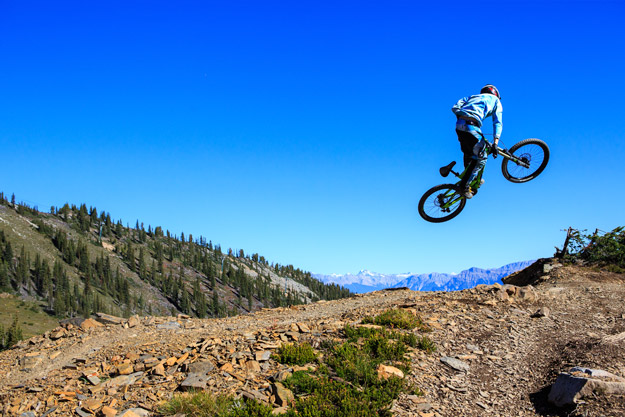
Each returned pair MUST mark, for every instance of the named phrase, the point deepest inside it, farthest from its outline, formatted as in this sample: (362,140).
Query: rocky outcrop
(537,272)
(578,383)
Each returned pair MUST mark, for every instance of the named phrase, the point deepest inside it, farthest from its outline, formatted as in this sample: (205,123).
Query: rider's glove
(493,150)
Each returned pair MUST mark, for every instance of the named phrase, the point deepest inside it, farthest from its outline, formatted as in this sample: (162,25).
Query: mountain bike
(523,162)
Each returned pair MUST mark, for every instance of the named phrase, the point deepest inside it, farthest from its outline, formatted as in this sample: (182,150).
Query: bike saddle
(447,169)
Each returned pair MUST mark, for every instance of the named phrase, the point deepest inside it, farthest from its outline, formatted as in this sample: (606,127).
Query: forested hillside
(74,261)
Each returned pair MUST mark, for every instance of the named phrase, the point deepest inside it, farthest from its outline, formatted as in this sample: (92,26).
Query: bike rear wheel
(532,156)
(441,203)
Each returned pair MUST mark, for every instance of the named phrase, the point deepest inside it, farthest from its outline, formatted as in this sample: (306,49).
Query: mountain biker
(471,111)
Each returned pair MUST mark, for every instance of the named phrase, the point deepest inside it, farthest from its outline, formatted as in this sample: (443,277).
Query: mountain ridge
(75,261)
(366,281)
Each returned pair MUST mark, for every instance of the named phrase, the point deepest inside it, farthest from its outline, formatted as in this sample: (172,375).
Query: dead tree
(561,253)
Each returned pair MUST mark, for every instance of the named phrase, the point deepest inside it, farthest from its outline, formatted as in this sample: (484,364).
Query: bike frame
(448,199)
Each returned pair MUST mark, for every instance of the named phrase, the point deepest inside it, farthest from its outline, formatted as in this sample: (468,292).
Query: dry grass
(30,317)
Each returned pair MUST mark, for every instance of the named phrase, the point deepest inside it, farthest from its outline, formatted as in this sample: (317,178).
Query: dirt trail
(510,358)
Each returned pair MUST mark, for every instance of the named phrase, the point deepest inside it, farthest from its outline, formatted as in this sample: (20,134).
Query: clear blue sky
(307,131)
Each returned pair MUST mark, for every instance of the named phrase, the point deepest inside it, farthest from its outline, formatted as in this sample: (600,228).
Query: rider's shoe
(467,193)
(482,181)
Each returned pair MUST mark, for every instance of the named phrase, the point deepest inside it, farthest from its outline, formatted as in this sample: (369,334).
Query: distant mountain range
(366,281)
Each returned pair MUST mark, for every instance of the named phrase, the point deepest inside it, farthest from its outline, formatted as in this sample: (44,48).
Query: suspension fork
(513,158)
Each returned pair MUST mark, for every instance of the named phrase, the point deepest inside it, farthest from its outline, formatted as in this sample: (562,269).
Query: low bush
(596,249)
(197,404)
(426,344)
(296,354)
(205,404)
(398,318)
(331,398)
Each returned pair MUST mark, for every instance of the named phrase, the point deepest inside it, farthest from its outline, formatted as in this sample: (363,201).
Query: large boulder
(572,386)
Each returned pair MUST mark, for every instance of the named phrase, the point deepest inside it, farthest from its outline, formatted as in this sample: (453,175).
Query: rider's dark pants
(467,142)
(474,158)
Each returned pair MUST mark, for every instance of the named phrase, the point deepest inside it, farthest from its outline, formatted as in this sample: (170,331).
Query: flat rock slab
(132,412)
(123,380)
(169,325)
(385,372)
(456,364)
(571,386)
(90,324)
(263,356)
(202,367)
(29,363)
(108,319)
(195,381)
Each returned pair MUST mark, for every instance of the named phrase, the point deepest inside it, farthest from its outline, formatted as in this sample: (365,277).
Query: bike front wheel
(441,203)
(529,159)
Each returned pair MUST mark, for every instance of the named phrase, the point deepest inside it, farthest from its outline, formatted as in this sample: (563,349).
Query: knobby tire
(430,204)
(533,151)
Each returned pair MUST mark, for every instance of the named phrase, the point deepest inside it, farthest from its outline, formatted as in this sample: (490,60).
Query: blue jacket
(479,107)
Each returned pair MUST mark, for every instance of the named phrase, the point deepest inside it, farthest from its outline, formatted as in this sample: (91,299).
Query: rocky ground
(499,350)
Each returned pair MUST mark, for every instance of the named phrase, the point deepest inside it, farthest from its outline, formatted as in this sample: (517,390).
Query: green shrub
(398,318)
(384,348)
(197,404)
(426,344)
(330,398)
(615,268)
(353,364)
(411,389)
(409,339)
(296,354)
(250,408)
(596,249)
(346,383)
(354,334)
(205,404)
(357,362)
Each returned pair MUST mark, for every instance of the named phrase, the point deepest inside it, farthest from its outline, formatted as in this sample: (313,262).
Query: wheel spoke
(441,203)
(532,156)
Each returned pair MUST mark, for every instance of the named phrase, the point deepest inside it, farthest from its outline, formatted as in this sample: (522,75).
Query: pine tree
(83,256)
(13,334)
(200,307)
(7,254)
(215,304)
(5,282)
(125,291)
(23,267)
(153,273)
(60,306)
(93,215)
(143,272)
(130,256)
